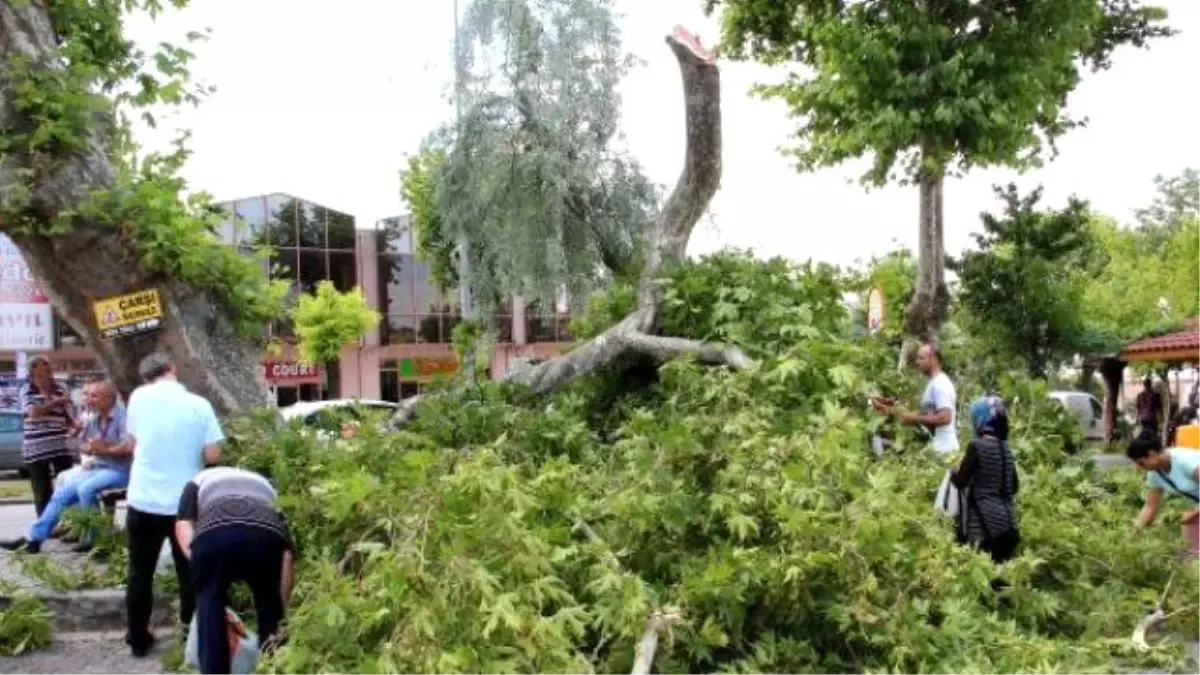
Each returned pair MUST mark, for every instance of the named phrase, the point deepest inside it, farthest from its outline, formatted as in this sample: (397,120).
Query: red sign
(291,371)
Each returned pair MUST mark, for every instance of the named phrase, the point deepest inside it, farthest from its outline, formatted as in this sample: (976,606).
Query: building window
(312,268)
(340,231)
(297,233)
(343,270)
(250,221)
(544,326)
(310,225)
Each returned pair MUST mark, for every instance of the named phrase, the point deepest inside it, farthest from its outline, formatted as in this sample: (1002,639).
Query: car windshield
(10,423)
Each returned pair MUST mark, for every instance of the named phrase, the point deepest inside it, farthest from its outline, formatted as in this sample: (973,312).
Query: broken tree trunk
(93,260)
(667,244)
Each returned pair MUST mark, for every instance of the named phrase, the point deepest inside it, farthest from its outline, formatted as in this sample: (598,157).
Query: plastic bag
(243,645)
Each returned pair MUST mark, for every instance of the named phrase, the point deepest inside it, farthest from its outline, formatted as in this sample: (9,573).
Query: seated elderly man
(109,451)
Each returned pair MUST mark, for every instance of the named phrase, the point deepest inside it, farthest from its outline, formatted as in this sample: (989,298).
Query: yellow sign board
(130,314)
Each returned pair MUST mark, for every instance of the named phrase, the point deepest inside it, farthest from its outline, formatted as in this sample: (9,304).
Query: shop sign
(26,316)
(278,372)
(428,367)
(130,314)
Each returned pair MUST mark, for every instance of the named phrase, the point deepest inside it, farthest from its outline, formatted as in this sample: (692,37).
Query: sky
(326,103)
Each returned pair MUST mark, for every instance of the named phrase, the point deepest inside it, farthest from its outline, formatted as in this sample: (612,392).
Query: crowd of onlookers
(162,449)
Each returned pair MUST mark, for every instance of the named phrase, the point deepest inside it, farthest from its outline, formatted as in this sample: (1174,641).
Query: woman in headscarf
(987,483)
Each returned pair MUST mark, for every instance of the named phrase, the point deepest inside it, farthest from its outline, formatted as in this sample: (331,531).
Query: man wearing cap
(175,434)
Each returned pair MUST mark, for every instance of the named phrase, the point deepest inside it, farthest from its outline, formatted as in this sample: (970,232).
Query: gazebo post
(1113,372)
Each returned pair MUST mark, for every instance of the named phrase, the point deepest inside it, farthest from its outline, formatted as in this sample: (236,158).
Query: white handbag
(243,645)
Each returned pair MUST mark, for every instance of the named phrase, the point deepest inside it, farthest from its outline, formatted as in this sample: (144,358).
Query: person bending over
(229,528)
(1168,471)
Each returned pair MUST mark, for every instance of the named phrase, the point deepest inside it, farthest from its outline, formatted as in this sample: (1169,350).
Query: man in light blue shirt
(175,434)
(1170,471)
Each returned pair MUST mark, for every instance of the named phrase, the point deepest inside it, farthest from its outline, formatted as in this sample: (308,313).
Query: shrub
(25,623)
(498,537)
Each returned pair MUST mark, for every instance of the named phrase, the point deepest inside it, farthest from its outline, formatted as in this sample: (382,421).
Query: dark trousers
(1001,547)
(41,478)
(221,557)
(147,532)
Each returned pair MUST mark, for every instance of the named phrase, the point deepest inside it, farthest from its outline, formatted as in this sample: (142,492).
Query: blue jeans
(84,489)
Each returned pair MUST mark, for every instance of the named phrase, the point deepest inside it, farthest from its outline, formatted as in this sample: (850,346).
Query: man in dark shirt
(229,528)
(1149,406)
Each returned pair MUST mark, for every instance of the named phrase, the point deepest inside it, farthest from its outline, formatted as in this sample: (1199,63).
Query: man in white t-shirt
(937,414)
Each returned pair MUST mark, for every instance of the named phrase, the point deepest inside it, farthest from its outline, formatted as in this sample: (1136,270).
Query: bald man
(937,415)
(110,451)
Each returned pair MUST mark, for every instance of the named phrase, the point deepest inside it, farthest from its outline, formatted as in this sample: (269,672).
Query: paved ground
(84,653)
(16,518)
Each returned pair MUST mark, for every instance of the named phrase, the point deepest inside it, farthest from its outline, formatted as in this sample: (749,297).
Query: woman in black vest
(987,484)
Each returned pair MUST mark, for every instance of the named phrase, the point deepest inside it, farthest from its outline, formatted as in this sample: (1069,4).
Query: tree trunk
(927,310)
(94,260)
(667,244)
(1087,373)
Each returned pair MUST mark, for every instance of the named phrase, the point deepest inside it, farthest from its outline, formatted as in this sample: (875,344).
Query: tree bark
(927,311)
(95,260)
(667,244)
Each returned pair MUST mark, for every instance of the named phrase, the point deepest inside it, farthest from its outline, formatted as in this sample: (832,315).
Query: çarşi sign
(129,314)
(26,316)
(297,372)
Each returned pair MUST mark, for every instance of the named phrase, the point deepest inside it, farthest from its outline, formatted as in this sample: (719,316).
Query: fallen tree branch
(668,239)
(643,658)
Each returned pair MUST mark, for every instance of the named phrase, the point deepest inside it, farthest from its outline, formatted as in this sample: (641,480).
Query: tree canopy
(1025,283)
(925,86)
(532,174)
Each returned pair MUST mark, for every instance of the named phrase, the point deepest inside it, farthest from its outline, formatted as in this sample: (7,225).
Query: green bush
(25,623)
(497,537)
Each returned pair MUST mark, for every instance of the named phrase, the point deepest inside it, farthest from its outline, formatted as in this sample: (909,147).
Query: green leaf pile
(502,534)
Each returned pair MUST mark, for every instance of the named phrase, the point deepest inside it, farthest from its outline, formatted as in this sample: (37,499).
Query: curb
(15,501)
(97,610)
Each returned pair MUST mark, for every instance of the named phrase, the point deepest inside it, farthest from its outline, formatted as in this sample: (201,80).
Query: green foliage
(81,96)
(930,84)
(531,175)
(25,623)
(418,183)
(491,536)
(895,274)
(1024,284)
(1158,259)
(328,320)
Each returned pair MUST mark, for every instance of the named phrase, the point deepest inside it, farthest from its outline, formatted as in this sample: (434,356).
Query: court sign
(129,314)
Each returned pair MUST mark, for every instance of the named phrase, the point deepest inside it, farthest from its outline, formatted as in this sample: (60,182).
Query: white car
(324,416)
(1087,409)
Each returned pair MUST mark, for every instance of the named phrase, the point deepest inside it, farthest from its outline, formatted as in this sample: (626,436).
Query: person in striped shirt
(230,529)
(49,423)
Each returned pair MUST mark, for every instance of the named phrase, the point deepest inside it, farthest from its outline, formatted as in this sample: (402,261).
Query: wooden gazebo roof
(1178,347)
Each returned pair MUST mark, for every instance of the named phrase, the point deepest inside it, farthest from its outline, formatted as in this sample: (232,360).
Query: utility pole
(466,304)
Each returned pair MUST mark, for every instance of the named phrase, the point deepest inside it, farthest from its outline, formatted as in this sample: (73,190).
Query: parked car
(1087,409)
(11,426)
(325,417)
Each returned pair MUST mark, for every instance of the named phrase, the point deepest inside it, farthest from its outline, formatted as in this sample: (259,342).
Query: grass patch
(15,489)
